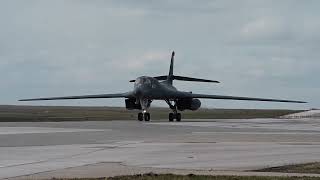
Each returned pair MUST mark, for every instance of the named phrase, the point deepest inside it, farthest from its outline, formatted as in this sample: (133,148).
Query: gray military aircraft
(146,89)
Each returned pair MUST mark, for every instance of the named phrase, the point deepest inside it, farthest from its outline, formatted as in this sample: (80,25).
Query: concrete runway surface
(96,149)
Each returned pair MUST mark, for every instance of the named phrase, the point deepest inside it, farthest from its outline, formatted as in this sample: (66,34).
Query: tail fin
(170,76)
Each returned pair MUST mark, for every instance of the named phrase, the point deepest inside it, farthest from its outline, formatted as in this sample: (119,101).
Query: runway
(95,149)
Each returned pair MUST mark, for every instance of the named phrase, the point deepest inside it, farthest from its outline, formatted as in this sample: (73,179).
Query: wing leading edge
(205,96)
(119,95)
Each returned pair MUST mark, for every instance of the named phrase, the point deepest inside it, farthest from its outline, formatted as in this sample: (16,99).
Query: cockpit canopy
(142,81)
(145,81)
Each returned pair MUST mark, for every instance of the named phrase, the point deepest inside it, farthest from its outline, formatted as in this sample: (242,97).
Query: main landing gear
(144,116)
(174,114)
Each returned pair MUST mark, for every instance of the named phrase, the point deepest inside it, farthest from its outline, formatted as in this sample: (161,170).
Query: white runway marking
(32,130)
(264,133)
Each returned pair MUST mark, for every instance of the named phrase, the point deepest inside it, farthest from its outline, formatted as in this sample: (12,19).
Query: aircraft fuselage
(147,89)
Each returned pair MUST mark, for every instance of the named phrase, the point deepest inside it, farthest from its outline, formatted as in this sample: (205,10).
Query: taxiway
(95,149)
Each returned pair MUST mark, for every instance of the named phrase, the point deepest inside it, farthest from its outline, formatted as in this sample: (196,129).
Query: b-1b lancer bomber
(146,89)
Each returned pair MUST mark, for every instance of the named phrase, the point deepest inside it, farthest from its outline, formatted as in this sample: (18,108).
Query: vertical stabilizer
(170,76)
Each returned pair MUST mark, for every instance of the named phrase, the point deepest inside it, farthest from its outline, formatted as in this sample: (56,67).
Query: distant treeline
(73,113)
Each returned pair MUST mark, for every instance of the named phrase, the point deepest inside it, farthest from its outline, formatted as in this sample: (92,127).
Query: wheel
(171,117)
(147,116)
(178,117)
(140,117)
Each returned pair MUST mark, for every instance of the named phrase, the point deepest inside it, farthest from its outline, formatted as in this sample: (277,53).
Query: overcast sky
(255,48)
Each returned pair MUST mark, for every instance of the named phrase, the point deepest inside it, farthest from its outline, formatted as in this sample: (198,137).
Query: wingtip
(301,102)
(214,81)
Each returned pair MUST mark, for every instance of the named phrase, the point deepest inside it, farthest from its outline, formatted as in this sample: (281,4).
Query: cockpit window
(147,82)
(137,82)
(144,81)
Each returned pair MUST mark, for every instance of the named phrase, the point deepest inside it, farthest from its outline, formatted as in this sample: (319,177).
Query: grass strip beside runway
(195,177)
(68,113)
(312,168)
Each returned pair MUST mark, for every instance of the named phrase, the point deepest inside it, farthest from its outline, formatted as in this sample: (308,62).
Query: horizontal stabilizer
(182,78)
(160,78)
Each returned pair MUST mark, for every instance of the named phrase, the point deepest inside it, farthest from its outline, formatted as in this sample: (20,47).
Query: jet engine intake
(188,104)
(131,104)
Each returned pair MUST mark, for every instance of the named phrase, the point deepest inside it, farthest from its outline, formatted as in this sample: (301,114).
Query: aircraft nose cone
(137,92)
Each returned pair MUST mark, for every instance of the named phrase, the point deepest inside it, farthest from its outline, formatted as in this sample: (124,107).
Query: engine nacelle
(195,104)
(131,104)
(189,104)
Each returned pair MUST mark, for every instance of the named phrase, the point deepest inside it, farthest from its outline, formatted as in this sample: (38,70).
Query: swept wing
(206,96)
(118,95)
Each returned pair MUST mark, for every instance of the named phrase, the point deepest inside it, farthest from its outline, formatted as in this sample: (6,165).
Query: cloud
(79,47)
(140,62)
(266,28)
(170,8)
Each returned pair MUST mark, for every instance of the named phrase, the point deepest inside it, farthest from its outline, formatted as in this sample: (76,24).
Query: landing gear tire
(178,117)
(146,116)
(171,117)
(140,116)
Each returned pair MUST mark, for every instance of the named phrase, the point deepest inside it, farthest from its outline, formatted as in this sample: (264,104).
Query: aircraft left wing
(98,96)
(205,96)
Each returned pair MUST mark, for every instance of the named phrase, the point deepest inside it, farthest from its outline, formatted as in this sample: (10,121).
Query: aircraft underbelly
(164,94)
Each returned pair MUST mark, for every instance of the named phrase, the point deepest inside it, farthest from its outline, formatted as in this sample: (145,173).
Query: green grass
(67,113)
(196,177)
(313,168)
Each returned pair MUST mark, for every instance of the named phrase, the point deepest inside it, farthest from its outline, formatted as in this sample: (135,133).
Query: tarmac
(42,150)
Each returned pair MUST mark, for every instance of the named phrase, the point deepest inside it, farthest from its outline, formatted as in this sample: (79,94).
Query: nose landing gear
(144,116)
(140,116)
(145,104)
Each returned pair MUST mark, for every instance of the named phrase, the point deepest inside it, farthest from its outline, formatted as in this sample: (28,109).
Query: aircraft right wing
(98,96)
(205,96)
